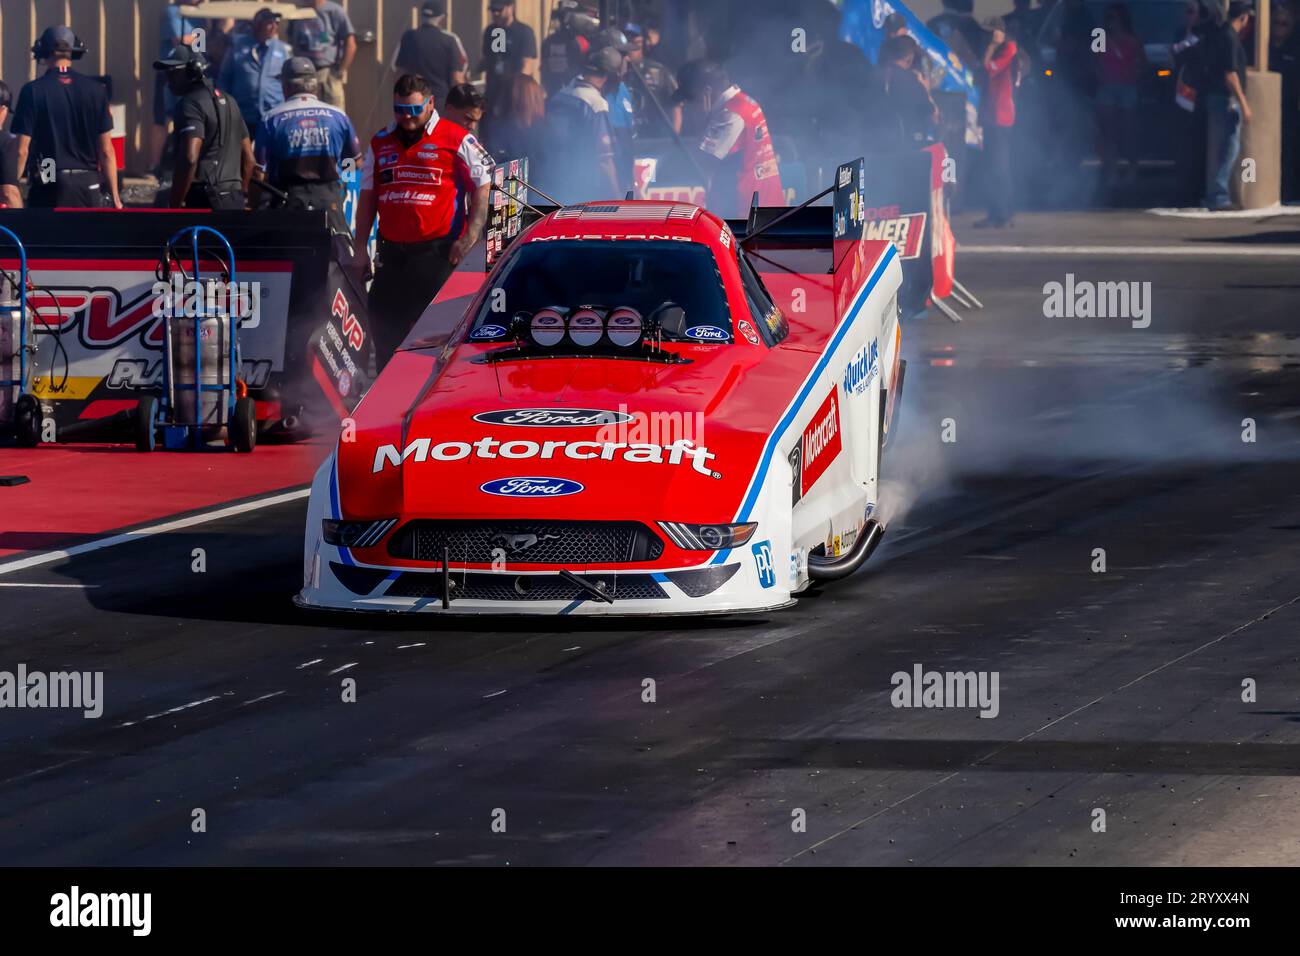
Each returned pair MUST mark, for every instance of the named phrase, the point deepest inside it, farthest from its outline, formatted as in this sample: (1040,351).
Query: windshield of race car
(648,276)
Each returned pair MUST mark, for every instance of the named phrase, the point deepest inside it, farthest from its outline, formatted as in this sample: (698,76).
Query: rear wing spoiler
(807,225)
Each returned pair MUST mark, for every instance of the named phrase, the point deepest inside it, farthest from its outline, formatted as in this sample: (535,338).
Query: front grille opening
(567,543)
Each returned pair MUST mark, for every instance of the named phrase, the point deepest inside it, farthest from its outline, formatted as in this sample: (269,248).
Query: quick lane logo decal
(862,369)
(531,487)
(422,450)
(904,231)
(820,443)
(706,333)
(553,417)
(763,563)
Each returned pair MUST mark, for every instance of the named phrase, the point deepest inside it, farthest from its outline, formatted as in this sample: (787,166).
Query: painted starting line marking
(1244,251)
(49,557)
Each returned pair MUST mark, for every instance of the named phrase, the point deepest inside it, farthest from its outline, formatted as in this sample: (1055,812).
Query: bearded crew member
(417,174)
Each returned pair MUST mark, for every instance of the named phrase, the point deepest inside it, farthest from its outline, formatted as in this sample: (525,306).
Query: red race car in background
(642,409)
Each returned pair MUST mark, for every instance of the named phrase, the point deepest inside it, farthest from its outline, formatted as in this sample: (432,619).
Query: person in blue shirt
(251,73)
(305,146)
(173,31)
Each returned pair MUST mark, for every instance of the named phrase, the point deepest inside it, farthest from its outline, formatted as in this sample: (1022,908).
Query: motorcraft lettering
(820,443)
(423,450)
(862,369)
(553,417)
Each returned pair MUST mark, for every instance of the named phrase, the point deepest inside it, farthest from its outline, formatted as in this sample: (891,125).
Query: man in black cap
(1226,108)
(64,130)
(433,52)
(213,154)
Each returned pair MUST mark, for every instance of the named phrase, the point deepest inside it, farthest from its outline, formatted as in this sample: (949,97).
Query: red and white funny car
(632,414)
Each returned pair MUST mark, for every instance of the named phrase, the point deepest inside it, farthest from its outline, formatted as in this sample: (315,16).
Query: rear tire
(27,421)
(241,433)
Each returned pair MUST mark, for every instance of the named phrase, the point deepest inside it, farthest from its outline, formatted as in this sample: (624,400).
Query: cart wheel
(27,421)
(241,433)
(146,421)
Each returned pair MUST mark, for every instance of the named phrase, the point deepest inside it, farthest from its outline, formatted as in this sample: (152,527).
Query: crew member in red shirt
(418,171)
(736,150)
(1002,68)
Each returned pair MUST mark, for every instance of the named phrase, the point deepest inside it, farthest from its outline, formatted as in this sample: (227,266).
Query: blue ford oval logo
(553,417)
(531,487)
(487,332)
(707,333)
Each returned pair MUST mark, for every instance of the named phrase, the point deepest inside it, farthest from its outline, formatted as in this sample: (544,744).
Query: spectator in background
(1001,67)
(173,31)
(650,78)
(433,51)
(330,42)
(579,144)
(565,50)
(10,197)
(1190,81)
(736,148)
(509,47)
(1284,58)
(1120,67)
(464,107)
(251,73)
(519,130)
(1226,108)
(956,27)
(64,126)
(911,111)
(1023,24)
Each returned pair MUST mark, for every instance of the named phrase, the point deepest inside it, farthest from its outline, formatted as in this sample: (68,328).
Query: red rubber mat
(75,492)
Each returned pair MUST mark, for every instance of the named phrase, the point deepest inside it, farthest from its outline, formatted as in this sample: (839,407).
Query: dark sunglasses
(413,110)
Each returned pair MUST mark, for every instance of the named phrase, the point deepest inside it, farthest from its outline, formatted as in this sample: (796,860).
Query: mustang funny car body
(637,411)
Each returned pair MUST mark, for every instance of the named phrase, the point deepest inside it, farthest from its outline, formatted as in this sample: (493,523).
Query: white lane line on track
(309,663)
(139,534)
(173,710)
(1051,723)
(19,584)
(1212,251)
(339,670)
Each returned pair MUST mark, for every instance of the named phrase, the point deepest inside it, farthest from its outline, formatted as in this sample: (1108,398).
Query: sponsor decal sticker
(763,563)
(903,230)
(553,417)
(748,332)
(820,443)
(707,333)
(862,369)
(484,332)
(531,487)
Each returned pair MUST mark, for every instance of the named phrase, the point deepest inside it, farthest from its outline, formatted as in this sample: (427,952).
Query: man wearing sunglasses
(417,174)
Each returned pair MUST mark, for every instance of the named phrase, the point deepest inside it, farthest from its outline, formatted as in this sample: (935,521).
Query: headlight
(708,537)
(355,534)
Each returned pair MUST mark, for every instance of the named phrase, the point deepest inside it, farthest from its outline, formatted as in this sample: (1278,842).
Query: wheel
(27,421)
(241,433)
(144,427)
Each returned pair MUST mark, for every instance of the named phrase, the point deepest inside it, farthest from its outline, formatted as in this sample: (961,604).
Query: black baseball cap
(1237,7)
(297,67)
(180,56)
(266,13)
(433,9)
